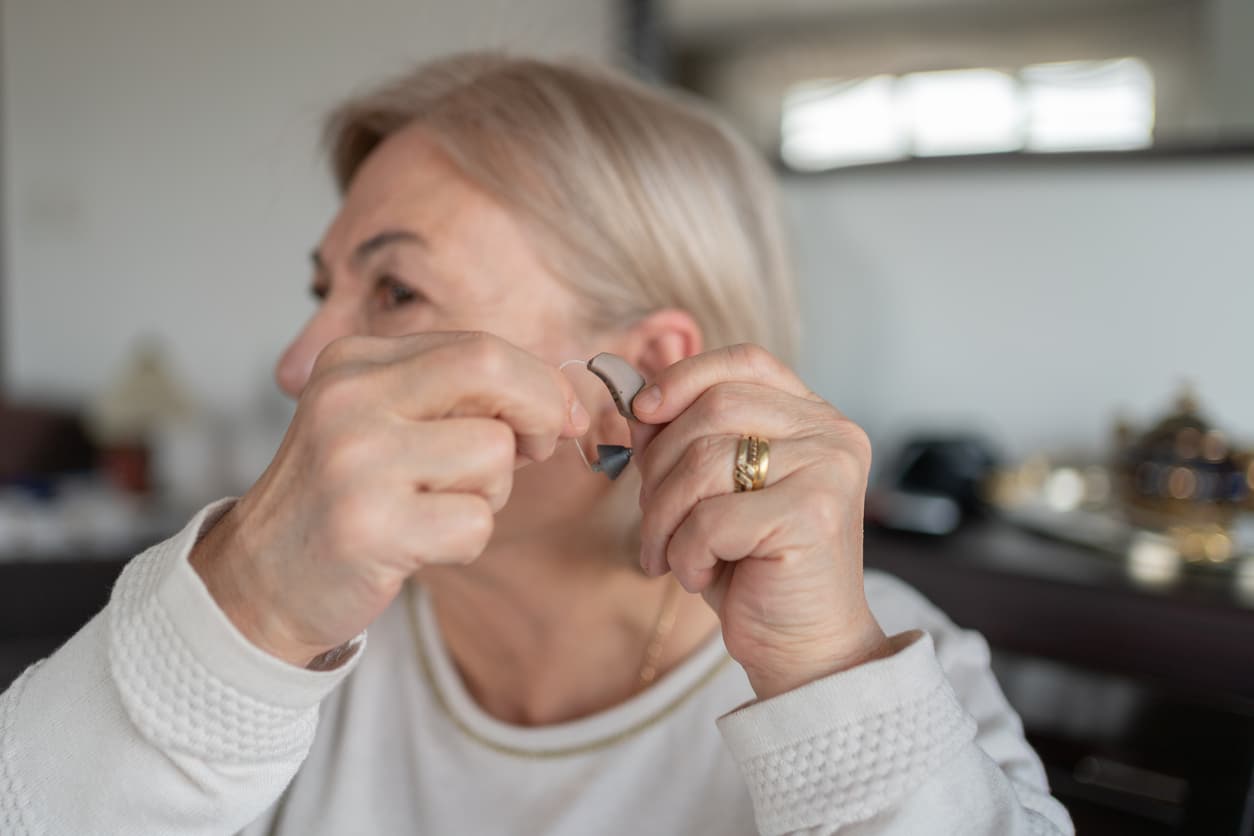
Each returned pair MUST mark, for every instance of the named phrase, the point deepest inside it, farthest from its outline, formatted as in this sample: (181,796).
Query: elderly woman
(692,648)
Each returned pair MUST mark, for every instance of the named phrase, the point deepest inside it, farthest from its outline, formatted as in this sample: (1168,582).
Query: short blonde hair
(644,198)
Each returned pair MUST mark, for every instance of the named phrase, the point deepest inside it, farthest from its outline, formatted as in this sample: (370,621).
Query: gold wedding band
(753,456)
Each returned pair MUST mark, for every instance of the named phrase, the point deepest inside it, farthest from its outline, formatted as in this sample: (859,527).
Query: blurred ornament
(1183,477)
(1153,560)
(1183,474)
(1172,500)
(127,415)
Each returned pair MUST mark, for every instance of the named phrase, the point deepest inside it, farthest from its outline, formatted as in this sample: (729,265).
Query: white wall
(1031,300)
(162,178)
(161,174)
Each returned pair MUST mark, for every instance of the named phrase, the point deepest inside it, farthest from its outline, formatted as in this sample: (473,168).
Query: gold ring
(753,456)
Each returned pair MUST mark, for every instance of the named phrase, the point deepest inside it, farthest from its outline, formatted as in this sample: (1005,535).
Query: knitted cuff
(847,747)
(15,803)
(189,680)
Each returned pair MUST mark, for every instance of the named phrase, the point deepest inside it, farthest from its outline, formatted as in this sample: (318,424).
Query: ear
(660,340)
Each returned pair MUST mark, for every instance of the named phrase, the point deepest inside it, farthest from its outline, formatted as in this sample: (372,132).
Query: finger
(705,471)
(457,455)
(677,386)
(445,528)
(642,435)
(489,377)
(355,351)
(728,409)
(464,374)
(772,523)
(720,529)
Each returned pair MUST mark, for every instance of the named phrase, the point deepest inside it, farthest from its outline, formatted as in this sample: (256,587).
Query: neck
(543,632)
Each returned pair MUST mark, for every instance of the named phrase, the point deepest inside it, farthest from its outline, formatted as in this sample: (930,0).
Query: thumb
(642,434)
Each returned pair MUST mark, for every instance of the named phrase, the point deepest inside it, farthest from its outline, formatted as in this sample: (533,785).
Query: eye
(394,294)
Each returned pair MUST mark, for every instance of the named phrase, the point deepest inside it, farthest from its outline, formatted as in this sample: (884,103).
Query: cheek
(558,330)
(541,324)
(403,322)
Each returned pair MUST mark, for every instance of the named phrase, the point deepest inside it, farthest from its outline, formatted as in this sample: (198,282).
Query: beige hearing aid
(624,384)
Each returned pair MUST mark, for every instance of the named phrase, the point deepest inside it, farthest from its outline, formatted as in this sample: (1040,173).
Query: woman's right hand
(400,452)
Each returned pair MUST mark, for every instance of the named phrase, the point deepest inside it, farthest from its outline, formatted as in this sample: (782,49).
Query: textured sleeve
(919,742)
(158,717)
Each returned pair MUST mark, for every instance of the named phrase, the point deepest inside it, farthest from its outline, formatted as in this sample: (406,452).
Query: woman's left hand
(782,566)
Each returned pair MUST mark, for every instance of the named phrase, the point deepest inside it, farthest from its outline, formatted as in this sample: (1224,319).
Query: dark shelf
(1157,684)
(1037,596)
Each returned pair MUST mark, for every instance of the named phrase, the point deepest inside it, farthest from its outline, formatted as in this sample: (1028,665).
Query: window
(1071,106)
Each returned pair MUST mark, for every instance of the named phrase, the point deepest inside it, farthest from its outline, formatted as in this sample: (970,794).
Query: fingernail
(648,400)
(644,559)
(579,417)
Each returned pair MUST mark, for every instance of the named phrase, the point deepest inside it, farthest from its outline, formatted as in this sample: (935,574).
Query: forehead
(409,183)
(407,180)
(478,250)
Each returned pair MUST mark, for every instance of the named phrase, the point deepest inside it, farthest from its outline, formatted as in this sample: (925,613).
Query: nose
(294,367)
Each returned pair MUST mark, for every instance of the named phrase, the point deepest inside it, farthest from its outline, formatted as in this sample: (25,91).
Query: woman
(549,650)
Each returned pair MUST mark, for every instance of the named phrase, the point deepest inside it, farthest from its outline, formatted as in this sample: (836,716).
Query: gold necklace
(666,616)
(665,711)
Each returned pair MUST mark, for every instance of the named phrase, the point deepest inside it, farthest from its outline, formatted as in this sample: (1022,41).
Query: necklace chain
(636,728)
(666,616)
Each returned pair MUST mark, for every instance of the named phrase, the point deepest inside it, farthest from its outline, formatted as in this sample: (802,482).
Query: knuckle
(705,454)
(753,357)
(717,403)
(498,491)
(859,443)
(477,525)
(821,511)
(336,353)
(332,393)
(346,456)
(498,445)
(353,521)
(483,353)
(853,453)
(704,521)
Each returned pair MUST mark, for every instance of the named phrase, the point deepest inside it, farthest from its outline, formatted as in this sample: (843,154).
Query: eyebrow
(375,243)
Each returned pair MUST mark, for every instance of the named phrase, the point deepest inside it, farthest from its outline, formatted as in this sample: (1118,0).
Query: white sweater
(159,717)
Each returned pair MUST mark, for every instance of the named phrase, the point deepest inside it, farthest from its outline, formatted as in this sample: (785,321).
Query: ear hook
(624,383)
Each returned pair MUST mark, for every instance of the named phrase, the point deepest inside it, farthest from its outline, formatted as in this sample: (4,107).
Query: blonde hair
(644,198)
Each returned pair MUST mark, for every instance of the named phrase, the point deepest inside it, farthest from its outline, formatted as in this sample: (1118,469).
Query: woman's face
(416,247)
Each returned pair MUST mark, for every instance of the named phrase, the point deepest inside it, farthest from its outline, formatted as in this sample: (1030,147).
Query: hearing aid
(624,383)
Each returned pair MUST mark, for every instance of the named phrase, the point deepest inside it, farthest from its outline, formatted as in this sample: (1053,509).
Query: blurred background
(1023,233)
